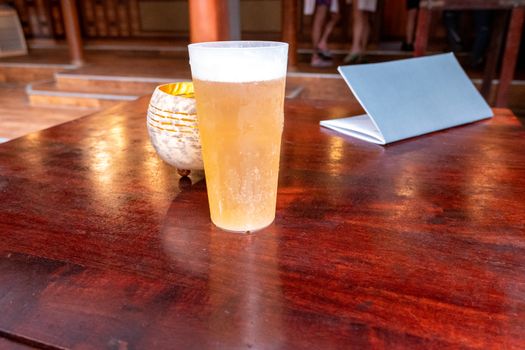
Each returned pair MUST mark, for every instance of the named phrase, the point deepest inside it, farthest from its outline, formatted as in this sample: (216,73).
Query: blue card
(410,97)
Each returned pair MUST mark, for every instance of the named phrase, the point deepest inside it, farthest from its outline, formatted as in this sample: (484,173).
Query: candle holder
(172,126)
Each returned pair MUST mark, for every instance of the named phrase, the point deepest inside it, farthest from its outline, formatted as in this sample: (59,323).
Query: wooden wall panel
(122,19)
(40,18)
(106,18)
(43,17)
(87,12)
(394,19)
(164,17)
(134,17)
(23,15)
(100,19)
(56,18)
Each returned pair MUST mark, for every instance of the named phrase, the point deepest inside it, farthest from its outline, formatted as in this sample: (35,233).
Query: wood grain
(420,244)
(18,118)
(13,345)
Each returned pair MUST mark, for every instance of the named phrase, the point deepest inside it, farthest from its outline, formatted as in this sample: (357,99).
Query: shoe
(353,58)
(318,62)
(407,46)
(324,54)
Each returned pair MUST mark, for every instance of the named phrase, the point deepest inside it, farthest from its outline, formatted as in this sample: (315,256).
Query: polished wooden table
(418,244)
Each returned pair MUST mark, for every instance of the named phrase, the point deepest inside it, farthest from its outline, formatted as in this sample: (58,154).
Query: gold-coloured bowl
(172,126)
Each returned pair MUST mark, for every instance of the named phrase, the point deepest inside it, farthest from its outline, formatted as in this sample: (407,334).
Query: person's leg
(317,26)
(358,18)
(357,29)
(321,10)
(323,42)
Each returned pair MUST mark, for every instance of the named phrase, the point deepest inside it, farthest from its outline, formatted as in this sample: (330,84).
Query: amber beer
(240,116)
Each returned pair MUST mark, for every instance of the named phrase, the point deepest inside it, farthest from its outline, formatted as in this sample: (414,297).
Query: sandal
(353,58)
(318,62)
(324,54)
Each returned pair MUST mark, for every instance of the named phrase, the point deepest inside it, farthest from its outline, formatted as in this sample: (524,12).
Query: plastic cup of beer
(239,91)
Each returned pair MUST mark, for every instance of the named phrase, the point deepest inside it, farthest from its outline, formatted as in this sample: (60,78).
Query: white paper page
(360,127)
(412,97)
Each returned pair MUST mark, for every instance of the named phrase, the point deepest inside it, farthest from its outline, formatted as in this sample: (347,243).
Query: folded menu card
(411,97)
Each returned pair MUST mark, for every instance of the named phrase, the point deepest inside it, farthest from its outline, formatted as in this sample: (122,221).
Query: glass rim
(231,45)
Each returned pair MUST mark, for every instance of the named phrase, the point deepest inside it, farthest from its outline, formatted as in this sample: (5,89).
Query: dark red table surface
(418,244)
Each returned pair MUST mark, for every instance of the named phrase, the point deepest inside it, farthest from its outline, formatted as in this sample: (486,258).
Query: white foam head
(238,61)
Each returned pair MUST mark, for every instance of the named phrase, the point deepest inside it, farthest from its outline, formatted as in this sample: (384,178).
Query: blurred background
(61,59)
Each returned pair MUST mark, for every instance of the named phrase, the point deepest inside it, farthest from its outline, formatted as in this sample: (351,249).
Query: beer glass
(239,91)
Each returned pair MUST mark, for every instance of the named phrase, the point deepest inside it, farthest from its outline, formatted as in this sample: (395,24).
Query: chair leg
(423,26)
(494,53)
(510,56)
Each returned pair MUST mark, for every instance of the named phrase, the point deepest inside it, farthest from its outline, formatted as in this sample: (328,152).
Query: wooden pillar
(422,30)
(74,39)
(209,20)
(289,29)
(512,46)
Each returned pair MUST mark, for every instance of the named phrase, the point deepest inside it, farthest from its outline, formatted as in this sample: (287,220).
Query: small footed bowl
(172,126)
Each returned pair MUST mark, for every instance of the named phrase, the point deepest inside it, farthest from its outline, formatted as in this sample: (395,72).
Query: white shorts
(367,5)
(309,7)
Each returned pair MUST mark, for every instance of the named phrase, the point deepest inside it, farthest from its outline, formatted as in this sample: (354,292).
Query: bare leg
(366,30)
(357,29)
(323,43)
(319,18)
